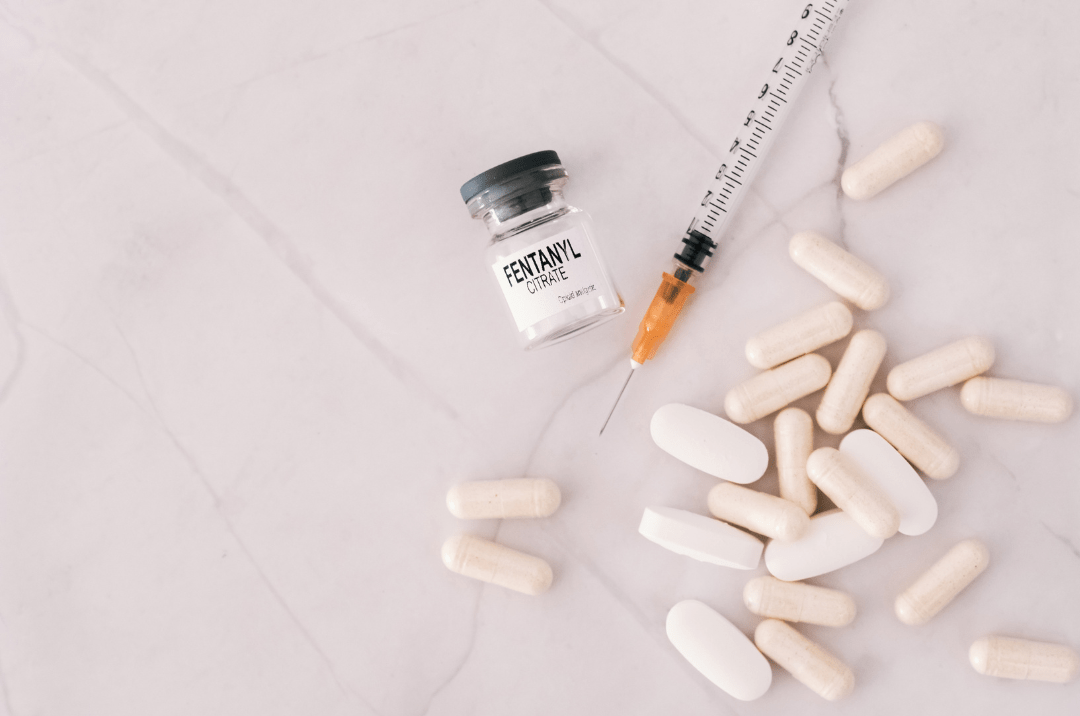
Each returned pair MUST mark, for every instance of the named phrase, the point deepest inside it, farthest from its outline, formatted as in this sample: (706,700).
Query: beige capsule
(911,437)
(759,512)
(798,602)
(773,389)
(844,273)
(807,661)
(900,155)
(1023,659)
(805,333)
(793,432)
(492,562)
(494,499)
(1016,400)
(850,383)
(853,492)
(940,368)
(940,584)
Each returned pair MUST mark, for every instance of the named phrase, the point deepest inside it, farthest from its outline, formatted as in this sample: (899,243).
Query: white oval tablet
(895,477)
(701,537)
(709,443)
(715,647)
(833,541)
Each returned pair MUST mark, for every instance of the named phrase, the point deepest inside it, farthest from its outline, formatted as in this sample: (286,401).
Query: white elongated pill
(769,391)
(492,562)
(853,492)
(850,383)
(913,438)
(1023,659)
(701,537)
(798,602)
(805,333)
(715,647)
(493,499)
(900,155)
(940,584)
(794,435)
(888,469)
(807,661)
(709,443)
(832,541)
(840,271)
(1016,400)
(940,368)
(758,512)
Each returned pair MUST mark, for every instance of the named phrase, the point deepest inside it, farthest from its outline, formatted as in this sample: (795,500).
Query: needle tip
(632,367)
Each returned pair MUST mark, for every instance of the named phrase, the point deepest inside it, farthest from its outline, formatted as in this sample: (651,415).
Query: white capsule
(839,270)
(495,499)
(850,383)
(1016,400)
(807,661)
(492,562)
(1024,659)
(794,435)
(709,443)
(715,647)
(798,602)
(758,511)
(769,391)
(940,368)
(852,491)
(805,333)
(700,537)
(940,584)
(880,462)
(832,541)
(913,438)
(892,161)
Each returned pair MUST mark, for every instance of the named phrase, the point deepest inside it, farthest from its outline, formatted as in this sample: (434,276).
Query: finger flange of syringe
(790,73)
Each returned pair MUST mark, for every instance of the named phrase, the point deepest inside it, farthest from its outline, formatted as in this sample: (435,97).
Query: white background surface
(249,341)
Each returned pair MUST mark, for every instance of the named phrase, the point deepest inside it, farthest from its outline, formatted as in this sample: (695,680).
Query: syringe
(784,82)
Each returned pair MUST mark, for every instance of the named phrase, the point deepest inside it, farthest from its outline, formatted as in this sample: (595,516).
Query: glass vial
(543,254)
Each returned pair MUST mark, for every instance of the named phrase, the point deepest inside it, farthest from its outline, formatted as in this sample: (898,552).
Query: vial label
(548,277)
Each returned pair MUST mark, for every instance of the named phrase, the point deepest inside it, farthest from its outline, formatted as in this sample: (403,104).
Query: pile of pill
(871,477)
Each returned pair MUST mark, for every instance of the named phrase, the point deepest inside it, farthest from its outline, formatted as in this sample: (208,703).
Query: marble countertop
(249,341)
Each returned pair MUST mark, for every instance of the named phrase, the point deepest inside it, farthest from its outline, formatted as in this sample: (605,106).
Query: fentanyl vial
(759,512)
(940,584)
(807,661)
(911,437)
(793,432)
(853,492)
(492,562)
(1023,659)
(1016,400)
(849,276)
(771,390)
(801,335)
(948,365)
(543,253)
(850,383)
(892,161)
(798,602)
(496,499)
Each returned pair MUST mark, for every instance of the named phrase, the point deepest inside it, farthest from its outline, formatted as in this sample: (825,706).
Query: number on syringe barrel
(704,200)
(763,90)
(794,34)
(749,118)
(720,172)
(806,12)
